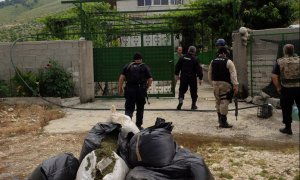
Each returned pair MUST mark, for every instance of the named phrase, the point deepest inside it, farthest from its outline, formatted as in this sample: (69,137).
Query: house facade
(149,5)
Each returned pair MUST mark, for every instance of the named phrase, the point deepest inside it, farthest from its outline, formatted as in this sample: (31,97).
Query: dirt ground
(24,145)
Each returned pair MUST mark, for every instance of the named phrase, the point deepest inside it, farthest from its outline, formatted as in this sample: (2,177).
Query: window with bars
(144,2)
(176,2)
(159,2)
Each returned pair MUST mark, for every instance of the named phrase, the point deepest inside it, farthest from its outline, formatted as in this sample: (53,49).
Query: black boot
(223,122)
(180,104)
(287,129)
(193,107)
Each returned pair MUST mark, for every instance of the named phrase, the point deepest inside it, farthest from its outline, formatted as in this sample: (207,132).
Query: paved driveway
(247,127)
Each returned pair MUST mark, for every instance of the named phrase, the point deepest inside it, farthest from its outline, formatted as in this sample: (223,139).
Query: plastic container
(295,112)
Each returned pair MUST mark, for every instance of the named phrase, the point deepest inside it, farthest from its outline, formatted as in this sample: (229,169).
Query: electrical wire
(96,109)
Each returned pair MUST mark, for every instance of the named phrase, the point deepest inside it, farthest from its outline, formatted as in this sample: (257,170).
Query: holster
(227,96)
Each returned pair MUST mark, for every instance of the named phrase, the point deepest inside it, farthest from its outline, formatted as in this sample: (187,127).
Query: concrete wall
(255,61)
(75,56)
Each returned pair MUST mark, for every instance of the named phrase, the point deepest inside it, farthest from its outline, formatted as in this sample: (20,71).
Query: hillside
(15,14)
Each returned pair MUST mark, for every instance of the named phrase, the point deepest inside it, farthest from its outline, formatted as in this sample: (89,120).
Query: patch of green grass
(225,175)
(262,163)
(264,173)
(236,163)
(272,178)
(218,169)
(297,177)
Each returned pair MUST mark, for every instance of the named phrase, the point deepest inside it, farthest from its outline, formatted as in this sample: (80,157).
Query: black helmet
(220,42)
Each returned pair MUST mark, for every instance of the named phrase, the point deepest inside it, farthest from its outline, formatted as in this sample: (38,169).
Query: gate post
(86,70)
(240,62)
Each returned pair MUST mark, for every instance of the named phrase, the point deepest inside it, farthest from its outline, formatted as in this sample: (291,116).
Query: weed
(272,178)
(297,177)
(262,163)
(236,164)
(225,175)
(263,173)
(218,169)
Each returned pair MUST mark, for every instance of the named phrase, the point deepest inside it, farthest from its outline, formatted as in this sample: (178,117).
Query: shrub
(54,81)
(4,89)
(21,89)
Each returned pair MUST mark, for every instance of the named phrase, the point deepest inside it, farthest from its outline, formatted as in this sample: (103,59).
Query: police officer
(286,78)
(222,74)
(189,69)
(222,43)
(138,79)
(178,54)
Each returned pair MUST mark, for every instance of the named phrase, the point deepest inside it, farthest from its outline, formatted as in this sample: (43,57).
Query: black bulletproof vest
(188,66)
(135,74)
(219,70)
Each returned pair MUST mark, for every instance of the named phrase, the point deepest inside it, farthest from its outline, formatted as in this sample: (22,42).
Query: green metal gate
(158,52)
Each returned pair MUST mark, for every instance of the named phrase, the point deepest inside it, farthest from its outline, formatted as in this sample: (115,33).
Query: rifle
(236,106)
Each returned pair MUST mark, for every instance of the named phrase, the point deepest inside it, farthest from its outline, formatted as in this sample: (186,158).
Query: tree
(263,14)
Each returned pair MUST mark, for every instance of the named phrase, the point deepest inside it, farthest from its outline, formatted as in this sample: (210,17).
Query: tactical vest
(220,71)
(135,74)
(289,71)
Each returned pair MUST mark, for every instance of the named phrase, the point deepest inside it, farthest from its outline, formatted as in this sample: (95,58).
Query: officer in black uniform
(138,79)
(189,69)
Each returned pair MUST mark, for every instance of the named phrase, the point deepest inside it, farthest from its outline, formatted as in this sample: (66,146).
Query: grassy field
(20,14)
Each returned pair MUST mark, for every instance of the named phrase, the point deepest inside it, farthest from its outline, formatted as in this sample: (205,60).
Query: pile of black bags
(151,154)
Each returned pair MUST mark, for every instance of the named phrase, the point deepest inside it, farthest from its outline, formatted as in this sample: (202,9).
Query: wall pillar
(87,92)
(241,64)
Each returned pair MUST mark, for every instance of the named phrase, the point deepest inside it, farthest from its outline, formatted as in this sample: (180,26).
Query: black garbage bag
(61,167)
(184,166)
(153,146)
(95,136)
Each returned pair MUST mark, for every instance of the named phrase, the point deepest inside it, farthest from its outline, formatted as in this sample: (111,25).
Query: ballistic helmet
(220,42)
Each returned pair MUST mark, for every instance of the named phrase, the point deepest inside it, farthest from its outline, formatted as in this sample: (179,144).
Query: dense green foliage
(268,13)
(218,19)
(4,89)
(12,32)
(25,83)
(54,81)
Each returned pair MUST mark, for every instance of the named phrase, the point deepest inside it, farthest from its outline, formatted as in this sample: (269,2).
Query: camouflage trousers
(221,88)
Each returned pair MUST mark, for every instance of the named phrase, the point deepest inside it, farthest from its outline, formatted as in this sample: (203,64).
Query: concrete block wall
(258,58)
(75,56)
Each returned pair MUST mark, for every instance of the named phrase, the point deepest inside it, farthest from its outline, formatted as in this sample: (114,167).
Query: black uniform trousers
(185,82)
(135,95)
(287,98)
